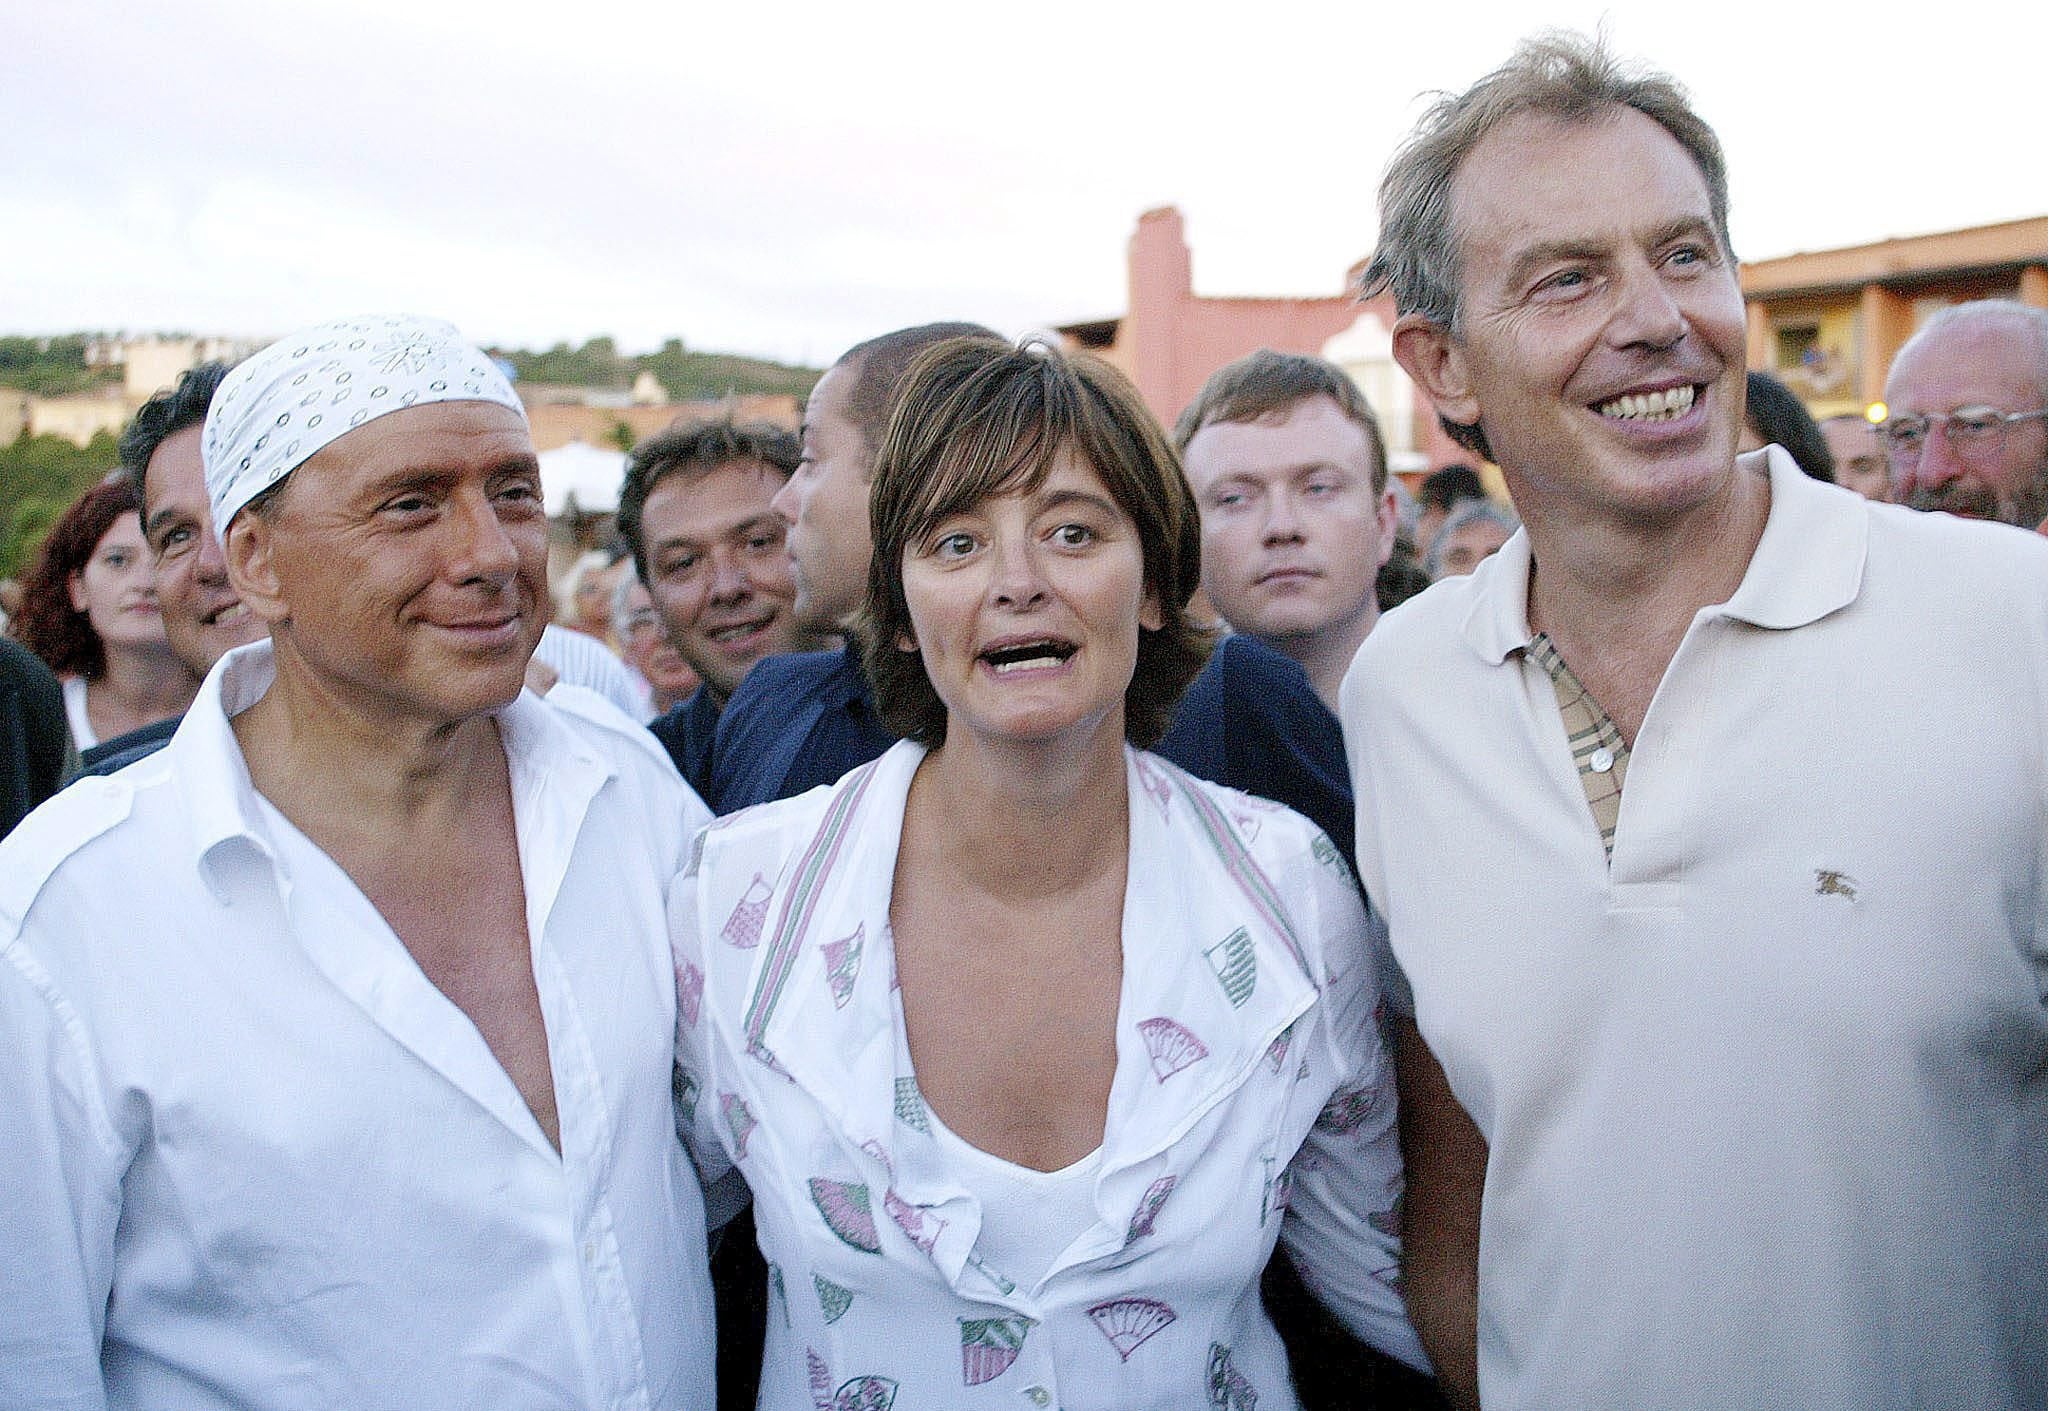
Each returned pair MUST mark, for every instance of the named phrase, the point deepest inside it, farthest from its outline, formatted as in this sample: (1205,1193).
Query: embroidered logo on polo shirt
(1829,883)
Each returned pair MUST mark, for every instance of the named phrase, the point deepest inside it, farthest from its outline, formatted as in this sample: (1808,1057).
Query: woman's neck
(1024,819)
(139,687)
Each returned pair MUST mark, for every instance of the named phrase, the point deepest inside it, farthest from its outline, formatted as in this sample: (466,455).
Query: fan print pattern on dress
(910,1109)
(1388,1221)
(1149,1205)
(689,992)
(1228,1390)
(920,1224)
(683,1088)
(1276,1051)
(1129,1323)
(1325,852)
(742,929)
(989,1345)
(1172,1046)
(739,1120)
(844,1207)
(842,965)
(1279,1183)
(1236,966)
(833,1299)
(1347,1110)
(858,1394)
(781,1291)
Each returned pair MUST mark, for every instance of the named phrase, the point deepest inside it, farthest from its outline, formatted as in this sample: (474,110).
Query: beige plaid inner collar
(1597,746)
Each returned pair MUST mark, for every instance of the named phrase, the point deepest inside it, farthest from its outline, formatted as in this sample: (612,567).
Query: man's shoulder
(1247,675)
(80,827)
(596,720)
(633,755)
(1956,547)
(774,689)
(109,756)
(786,679)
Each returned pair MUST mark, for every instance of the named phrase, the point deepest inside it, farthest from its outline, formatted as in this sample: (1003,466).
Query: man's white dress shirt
(253,1158)
(1251,1085)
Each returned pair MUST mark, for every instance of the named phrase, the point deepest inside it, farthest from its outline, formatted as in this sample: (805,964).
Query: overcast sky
(787,178)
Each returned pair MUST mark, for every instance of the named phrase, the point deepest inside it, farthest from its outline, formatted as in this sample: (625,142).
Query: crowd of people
(990,901)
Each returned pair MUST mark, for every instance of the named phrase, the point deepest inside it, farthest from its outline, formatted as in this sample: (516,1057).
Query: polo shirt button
(1038,1396)
(1602,760)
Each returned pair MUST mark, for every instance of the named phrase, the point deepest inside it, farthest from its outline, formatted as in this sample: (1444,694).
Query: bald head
(1989,354)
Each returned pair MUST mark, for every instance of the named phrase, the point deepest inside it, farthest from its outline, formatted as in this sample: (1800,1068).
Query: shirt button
(1601,761)
(590,1253)
(1038,1396)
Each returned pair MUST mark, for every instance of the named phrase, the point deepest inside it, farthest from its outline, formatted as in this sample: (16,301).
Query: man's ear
(1388,513)
(1436,363)
(252,572)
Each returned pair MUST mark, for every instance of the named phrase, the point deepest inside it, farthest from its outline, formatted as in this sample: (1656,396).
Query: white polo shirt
(251,1157)
(1767,1098)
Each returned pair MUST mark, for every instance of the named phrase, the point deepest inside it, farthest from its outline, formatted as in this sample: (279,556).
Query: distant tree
(39,478)
(49,367)
(683,374)
(621,435)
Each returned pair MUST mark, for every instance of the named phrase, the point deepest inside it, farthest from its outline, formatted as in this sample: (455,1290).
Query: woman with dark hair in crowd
(1028,1044)
(1775,417)
(89,610)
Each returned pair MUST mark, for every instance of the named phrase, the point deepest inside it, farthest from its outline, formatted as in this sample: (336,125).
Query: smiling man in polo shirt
(1727,1077)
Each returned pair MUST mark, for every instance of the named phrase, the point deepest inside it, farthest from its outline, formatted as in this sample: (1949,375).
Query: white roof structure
(585,474)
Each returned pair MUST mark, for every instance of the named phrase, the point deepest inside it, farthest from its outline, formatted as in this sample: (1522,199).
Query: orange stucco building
(1829,322)
(1170,339)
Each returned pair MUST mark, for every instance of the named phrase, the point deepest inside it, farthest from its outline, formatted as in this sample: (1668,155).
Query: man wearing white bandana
(335,1038)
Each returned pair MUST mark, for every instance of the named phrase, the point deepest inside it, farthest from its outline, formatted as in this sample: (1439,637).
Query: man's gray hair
(1466,512)
(622,590)
(1556,74)
(2032,320)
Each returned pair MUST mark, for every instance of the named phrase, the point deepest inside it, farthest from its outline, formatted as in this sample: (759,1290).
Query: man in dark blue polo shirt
(695,510)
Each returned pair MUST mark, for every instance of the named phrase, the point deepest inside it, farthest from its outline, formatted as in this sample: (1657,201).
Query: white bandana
(302,393)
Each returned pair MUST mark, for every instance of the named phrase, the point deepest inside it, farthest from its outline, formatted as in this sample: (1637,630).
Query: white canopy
(587,474)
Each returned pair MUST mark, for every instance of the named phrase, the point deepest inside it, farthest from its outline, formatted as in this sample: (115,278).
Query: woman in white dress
(1028,1044)
(89,610)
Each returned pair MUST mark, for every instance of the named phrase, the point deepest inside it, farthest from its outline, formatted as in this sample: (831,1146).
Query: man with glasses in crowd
(1967,423)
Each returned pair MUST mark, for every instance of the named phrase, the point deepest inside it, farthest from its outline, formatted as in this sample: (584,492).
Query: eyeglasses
(1973,432)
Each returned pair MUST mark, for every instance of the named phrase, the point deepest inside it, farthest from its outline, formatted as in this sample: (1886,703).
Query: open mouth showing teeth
(1667,405)
(229,616)
(737,631)
(1025,655)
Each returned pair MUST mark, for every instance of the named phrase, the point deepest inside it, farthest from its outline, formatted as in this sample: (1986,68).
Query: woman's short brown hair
(980,417)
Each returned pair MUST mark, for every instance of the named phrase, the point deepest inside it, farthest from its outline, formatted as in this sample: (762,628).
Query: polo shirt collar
(1808,564)
(1496,621)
